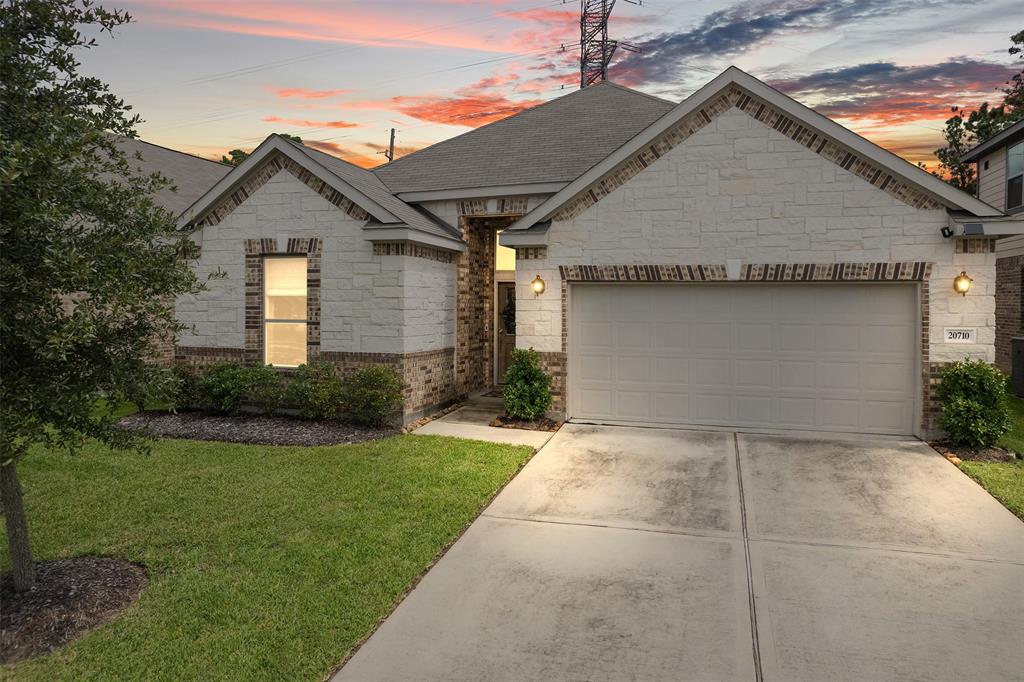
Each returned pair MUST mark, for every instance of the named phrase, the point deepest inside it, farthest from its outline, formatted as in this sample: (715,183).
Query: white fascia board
(233,180)
(480,192)
(945,193)
(403,233)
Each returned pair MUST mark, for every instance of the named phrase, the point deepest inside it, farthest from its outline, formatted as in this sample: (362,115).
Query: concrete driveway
(649,554)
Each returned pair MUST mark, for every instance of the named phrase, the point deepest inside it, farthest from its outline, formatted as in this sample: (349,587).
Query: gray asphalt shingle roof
(370,185)
(192,175)
(553,142)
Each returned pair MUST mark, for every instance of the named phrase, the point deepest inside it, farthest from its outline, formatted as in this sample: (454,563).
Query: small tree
(89,264)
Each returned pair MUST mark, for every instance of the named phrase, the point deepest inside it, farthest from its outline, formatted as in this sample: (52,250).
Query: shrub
(264,389)
(315,391)
(975,403)
(222,388)
(372,395)
(186,386)
(527,388)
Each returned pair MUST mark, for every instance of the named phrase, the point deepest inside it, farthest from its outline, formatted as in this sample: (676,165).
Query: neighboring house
(1001,184)
(735,259)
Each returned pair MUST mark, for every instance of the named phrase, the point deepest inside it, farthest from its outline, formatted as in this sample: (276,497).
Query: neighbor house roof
(1001,139)
(191,175)
(544,147)
(944,193)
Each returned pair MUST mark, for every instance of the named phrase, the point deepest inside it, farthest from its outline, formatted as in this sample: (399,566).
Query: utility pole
(596,48)
(390,153)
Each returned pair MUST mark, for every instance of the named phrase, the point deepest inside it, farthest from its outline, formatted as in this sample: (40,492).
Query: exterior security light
(537,285)
(962,283)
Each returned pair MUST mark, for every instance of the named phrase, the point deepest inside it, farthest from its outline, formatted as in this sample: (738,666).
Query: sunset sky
(212,75)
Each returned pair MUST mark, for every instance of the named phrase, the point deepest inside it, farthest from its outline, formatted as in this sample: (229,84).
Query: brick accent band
(532,253)
(765,113)
(414,250)
(907,271)
(975,245)
(262,176)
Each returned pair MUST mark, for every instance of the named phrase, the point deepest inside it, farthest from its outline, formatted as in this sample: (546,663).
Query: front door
(506,326)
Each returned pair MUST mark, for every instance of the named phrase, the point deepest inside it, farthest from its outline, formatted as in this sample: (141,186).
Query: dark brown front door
(506,327)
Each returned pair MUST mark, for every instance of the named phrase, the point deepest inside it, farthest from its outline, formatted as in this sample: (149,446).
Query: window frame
(1008,178)
(266,321)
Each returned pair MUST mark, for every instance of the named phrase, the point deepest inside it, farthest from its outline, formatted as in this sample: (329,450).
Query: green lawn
(265,562)
(1004,480)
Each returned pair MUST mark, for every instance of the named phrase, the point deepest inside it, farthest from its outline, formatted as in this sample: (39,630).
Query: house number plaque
(960,335)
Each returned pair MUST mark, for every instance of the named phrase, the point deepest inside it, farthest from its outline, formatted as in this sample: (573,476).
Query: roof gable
(733,87)
(354,190)
(549,144)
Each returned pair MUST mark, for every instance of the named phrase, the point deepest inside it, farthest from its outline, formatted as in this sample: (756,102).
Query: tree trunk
(22,567)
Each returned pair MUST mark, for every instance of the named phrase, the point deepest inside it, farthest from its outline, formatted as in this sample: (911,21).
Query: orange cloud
(472,111)
(303,93)
(302,123)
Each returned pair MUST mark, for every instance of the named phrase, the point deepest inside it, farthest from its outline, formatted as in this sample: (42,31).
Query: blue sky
(212,75)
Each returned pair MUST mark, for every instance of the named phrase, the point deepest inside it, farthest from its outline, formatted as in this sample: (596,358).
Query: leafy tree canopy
(968,129)
(89,264)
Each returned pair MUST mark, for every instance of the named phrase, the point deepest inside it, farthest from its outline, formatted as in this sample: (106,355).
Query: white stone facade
(739,190)
(369,303)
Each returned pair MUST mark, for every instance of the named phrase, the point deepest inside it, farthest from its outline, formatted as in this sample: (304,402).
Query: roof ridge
(391,164)
(172,149)
(638,92)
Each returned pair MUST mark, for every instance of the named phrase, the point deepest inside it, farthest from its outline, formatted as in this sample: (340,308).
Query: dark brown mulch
(545,424)
(975,454)
(70,598)
(252,429)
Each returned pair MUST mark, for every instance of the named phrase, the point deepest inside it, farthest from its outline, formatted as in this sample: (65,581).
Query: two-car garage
(818,356)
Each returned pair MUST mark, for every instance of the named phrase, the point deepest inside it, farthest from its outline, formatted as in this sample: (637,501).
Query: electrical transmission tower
(596,48)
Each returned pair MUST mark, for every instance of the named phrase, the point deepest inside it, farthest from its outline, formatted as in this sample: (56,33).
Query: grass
(1014,438)
(1004,480)
(265,562)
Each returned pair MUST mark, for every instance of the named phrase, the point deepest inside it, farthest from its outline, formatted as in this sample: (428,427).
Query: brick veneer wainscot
(1009,307)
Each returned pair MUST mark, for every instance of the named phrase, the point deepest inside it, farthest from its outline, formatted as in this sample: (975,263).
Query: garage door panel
(633,368)
(806,356)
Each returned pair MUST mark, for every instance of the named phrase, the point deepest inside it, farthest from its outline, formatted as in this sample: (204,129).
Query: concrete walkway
(648,554)
(472,421)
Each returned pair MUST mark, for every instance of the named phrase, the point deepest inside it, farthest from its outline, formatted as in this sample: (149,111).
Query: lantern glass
(962,284)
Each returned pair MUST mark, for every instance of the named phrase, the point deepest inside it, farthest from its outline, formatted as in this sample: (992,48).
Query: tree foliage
(89,264)
(236,156)
(968,129)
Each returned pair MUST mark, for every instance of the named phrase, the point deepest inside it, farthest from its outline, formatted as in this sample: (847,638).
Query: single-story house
(735,259)
(1000,163)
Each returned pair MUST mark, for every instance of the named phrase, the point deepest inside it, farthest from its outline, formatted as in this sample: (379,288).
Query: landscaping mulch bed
(544,424)
(252,429)
(964,452)
(70,598)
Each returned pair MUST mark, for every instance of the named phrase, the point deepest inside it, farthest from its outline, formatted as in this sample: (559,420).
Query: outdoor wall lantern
(962,283)
(537,285)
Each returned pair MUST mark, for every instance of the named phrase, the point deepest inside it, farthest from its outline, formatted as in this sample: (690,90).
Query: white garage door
(833,357)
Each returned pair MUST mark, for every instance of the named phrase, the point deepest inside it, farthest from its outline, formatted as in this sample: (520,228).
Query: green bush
(527,388)
(186,386)
(315,391)
(222,388)
(264,388)
(975,403)
(372,395)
